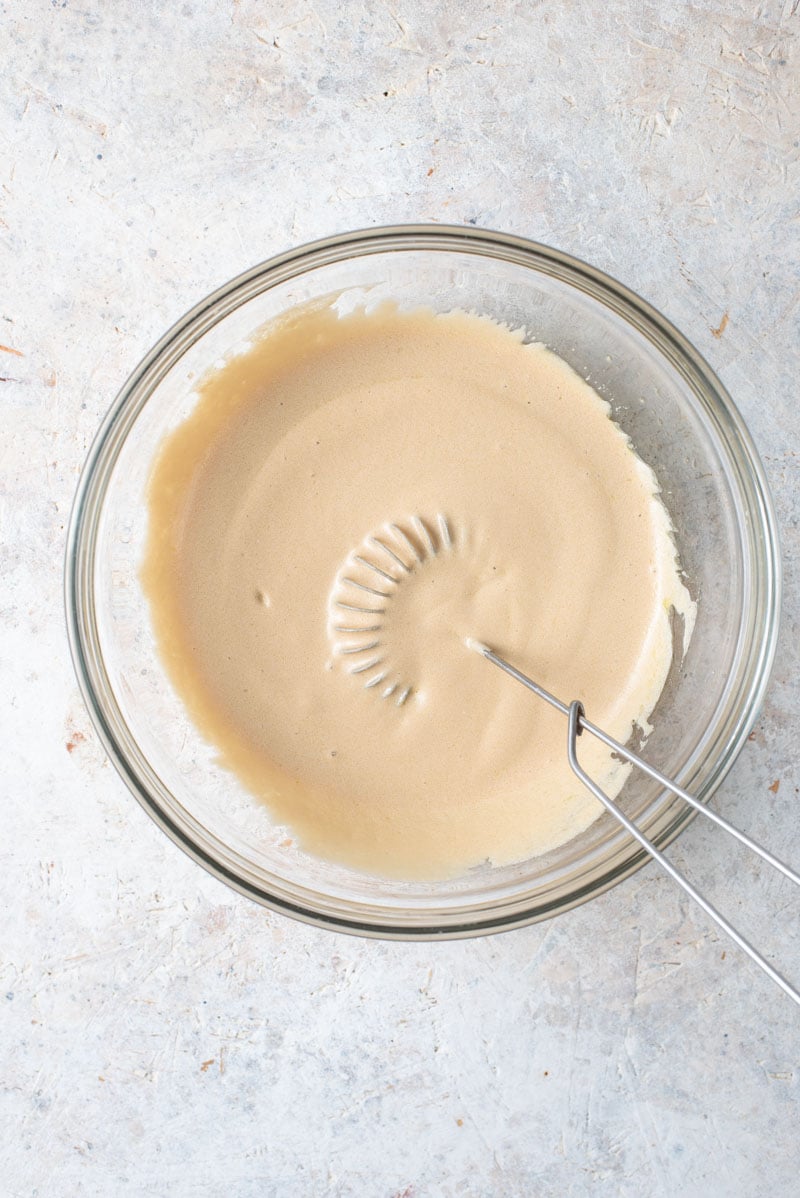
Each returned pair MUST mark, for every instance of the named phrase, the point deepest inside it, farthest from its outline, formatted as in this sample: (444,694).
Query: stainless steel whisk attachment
(577,723)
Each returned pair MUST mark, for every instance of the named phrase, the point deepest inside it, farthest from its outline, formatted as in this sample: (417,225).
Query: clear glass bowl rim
(81,540)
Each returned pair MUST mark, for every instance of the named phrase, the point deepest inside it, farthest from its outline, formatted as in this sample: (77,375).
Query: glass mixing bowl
(681,422)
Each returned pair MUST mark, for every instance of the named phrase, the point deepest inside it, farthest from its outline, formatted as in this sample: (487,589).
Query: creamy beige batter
(350,500)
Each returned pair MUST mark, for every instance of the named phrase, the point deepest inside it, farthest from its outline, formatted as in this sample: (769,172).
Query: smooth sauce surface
(350,500)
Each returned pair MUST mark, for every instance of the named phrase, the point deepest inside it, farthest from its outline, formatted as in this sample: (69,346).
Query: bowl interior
(680,423)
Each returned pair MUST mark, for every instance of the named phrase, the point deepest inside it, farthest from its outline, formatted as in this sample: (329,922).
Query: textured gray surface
(161,1035)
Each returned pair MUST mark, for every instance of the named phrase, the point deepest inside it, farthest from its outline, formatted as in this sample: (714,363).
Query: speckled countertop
(162,1036)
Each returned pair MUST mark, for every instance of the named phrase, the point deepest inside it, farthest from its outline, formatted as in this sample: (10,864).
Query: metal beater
(577,723)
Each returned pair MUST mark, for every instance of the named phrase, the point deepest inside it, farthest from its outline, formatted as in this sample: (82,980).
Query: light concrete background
(160,1035)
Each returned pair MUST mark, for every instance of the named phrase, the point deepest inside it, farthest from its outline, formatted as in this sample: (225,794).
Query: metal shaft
(577,723)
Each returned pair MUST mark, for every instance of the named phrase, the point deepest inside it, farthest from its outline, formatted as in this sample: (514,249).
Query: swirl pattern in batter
(350,500)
